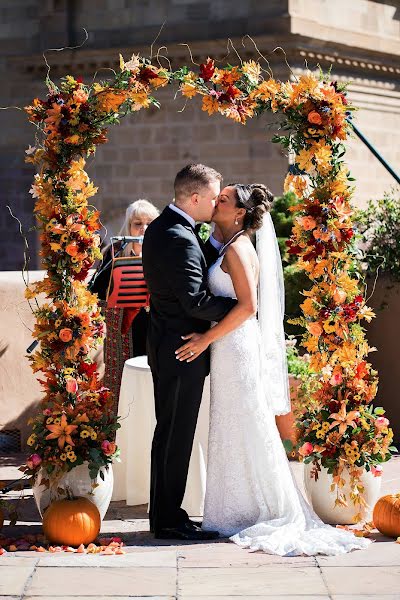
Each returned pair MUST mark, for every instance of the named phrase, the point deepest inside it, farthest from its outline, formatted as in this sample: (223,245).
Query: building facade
(360,41)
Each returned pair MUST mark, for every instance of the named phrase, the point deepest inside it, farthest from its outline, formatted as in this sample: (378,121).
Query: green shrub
(379,226)
(295,279)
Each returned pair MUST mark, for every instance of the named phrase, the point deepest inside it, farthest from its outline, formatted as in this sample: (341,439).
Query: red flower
(88,369)
(361,370)
(207,69)
(292,248)
(347,234)
(333,406)
(147,74)
(230,93)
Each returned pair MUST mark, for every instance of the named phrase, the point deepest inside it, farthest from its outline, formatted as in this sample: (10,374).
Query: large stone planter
(323,500)
(79,483)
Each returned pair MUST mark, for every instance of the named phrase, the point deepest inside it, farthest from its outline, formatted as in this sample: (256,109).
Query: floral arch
(339,427)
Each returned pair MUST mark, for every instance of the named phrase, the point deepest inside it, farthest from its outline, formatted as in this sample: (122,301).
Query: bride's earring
(236,221)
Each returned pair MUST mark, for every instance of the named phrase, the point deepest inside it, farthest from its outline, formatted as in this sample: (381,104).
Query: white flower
(133,64)
(35,191)
(30,150)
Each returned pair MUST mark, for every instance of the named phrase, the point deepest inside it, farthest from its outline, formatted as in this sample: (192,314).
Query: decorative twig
(286,61)
(234,49)
(269,71)
(48,80)
(104,69)
(163,56)
(191,55)
(26,256)
(156,38)
(376,279)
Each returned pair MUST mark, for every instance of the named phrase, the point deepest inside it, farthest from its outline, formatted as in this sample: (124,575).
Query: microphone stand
(103,267)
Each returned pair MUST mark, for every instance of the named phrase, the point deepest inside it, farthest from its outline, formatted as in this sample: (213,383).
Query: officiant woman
(122,342)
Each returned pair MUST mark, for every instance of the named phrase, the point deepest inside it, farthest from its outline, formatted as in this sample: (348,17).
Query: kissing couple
(218,308)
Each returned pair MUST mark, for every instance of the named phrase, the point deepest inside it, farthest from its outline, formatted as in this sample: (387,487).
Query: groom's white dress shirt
(213,241)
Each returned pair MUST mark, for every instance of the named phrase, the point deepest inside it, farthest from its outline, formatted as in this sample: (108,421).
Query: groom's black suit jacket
(175,263)
(175,269)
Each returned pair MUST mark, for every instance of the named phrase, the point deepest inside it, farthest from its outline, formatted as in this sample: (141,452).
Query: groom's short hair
(192,178)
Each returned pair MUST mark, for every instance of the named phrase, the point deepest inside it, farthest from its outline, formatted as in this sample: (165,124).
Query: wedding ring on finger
(191,353)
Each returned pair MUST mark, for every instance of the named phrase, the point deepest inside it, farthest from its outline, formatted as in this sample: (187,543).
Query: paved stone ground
(187,571)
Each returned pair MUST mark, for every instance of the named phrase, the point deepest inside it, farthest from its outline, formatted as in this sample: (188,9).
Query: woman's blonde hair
(139,208)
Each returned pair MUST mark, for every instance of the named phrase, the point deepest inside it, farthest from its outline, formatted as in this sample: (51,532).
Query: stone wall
(147,149)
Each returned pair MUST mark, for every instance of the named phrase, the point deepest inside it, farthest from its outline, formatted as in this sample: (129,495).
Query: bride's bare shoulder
(242,251)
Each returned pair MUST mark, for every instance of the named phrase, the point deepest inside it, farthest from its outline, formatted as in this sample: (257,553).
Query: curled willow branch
(25,271)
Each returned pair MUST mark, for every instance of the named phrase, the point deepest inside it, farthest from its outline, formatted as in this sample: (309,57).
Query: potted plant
(343,439)
(379,225)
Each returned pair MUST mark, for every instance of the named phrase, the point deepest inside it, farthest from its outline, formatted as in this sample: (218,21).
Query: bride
(251,495)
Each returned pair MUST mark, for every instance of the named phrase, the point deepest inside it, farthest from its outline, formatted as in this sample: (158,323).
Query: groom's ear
(195,198)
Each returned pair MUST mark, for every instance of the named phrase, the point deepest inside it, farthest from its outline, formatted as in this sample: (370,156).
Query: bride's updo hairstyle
(256,199)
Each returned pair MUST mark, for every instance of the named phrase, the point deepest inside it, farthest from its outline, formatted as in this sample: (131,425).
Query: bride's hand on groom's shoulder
(195,345)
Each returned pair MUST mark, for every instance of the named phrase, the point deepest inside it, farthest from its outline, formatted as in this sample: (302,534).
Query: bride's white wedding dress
(251,495)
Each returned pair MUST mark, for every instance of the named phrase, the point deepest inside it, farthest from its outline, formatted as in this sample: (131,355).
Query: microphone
(32,346)
(127,238)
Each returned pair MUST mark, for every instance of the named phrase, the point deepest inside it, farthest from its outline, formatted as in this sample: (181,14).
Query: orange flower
(339,296)
(307,223)
(72,249)
(65,334)
(80,96)
(315,328)
(314,117)
(189,90)
(72,139)
(343,419)
(210,104)
(62,432)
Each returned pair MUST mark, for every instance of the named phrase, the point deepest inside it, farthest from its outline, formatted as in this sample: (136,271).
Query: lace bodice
(219,282)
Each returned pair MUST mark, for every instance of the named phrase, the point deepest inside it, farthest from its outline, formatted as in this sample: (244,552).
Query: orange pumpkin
(71,522)
(386,515)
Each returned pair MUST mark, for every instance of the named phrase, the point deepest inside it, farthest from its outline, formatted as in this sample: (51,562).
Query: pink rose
(381,422)
(377,471)
(306,449)
(65,334)
(33,461)
(108,448)
(47,412)
(337,377)
(72,385)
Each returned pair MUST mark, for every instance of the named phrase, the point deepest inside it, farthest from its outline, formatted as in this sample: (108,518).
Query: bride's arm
(239,266)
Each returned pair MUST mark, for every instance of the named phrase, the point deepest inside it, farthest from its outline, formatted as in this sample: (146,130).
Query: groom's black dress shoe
(197,524)
(186,531)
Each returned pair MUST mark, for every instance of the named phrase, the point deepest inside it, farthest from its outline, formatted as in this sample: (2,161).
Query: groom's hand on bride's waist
(195,345)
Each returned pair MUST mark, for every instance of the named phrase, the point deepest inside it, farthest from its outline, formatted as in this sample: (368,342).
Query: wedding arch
(339,427)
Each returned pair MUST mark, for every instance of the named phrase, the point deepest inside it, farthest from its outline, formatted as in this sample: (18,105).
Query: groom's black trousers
(175,267)
(178,390)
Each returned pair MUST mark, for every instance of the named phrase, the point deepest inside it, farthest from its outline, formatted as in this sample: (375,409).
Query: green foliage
(205,231)
(297,365)
(379,226)
(296,280)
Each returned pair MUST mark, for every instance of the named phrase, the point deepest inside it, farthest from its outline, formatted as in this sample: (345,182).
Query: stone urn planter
(80,484)
(322,499)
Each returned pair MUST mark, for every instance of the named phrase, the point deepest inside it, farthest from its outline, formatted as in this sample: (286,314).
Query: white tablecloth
(136,409)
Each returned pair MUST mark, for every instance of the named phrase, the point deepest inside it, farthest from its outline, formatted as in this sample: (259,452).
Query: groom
(175,269)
